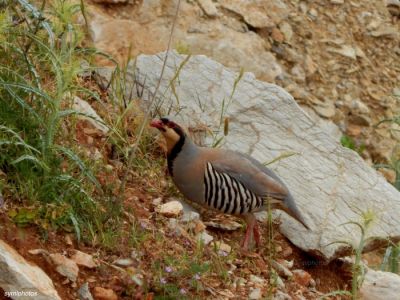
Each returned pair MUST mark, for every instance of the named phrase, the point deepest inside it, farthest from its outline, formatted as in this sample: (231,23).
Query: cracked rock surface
(332,185)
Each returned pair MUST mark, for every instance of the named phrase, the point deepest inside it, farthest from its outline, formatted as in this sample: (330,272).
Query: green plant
(348,142)
(394,164)
(358,271)
(391,259)
(39,63)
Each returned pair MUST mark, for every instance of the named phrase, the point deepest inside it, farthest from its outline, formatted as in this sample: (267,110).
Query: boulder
(21,279)
(378,285)
(332,185)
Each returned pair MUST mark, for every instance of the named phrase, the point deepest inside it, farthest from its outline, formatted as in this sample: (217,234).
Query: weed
(348,142)
(358,271)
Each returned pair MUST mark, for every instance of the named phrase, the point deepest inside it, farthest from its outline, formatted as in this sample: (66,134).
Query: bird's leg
(256,231)
(251,223)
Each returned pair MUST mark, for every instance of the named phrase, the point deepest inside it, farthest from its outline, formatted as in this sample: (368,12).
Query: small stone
(104,294)
(337,1)
(157,201)
(68,240)
(299,75)
(228,225)
(199,227)
(256,279)
(302,277)
(313,14)
(83,259)
(386,31)
(84,292)
(208,7)
(287,31)
(287,252)
(325,109)
(281,270)
(103,77)
(310,66)
(277,35)
(359,107)
(345,50)
(279,295)
(287,263)
(255,294)
(65,266)
(279,282)
(190,216)
(221,246)
(89,114)
(123,262)
(353,130)
(171,209)
(205,238)
(38,251)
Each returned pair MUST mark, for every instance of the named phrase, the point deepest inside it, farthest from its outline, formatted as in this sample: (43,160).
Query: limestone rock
(259,13)
(279,295)
(104,294)
(255,294)
(221,246)
(83,259)
(332,185)
(205,237)
(208,7)
(65,266)
(89,114)
(16,274)
(378,285)
(171,209)
(84,292)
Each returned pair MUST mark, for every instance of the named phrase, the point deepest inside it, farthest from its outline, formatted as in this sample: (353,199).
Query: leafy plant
(358,271)
(348,142)
(39,63)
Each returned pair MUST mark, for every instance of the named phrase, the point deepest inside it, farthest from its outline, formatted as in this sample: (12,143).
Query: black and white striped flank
(226,194)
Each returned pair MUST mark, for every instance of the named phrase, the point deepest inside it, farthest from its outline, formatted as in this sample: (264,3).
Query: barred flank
(226,194)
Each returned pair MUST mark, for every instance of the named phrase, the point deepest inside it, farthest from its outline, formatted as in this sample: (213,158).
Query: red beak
(157,124)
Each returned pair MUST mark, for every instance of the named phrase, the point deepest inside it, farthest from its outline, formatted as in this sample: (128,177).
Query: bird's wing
(252,174)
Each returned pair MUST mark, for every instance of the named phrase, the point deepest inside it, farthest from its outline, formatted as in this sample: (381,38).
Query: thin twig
(144,123)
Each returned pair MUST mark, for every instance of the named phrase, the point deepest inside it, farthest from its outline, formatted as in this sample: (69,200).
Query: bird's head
(172,132)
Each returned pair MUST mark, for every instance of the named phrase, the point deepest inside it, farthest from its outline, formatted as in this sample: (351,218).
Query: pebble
(190,216)
(205,238)
(256,279)
(171,209)
(65,266)
(281,270)
(302,277)
(221,246)
(279,295)
(104,294)
(255,294)
(208,7)
(84,292)
(83,259)
(123,262)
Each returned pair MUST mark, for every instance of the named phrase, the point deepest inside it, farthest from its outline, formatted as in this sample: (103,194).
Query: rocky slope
(341,58)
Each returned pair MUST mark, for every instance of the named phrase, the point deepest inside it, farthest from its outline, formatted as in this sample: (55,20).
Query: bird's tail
(289,206)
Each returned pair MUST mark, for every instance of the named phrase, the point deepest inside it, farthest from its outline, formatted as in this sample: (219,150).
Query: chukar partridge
(224,180)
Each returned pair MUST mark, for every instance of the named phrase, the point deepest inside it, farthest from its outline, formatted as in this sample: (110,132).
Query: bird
(224,180)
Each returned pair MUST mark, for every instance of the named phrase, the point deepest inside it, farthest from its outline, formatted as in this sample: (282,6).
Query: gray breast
(226,194)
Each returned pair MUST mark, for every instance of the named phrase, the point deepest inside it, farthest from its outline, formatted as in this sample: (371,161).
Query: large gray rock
(332,185)
(378,285)
(22,280)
